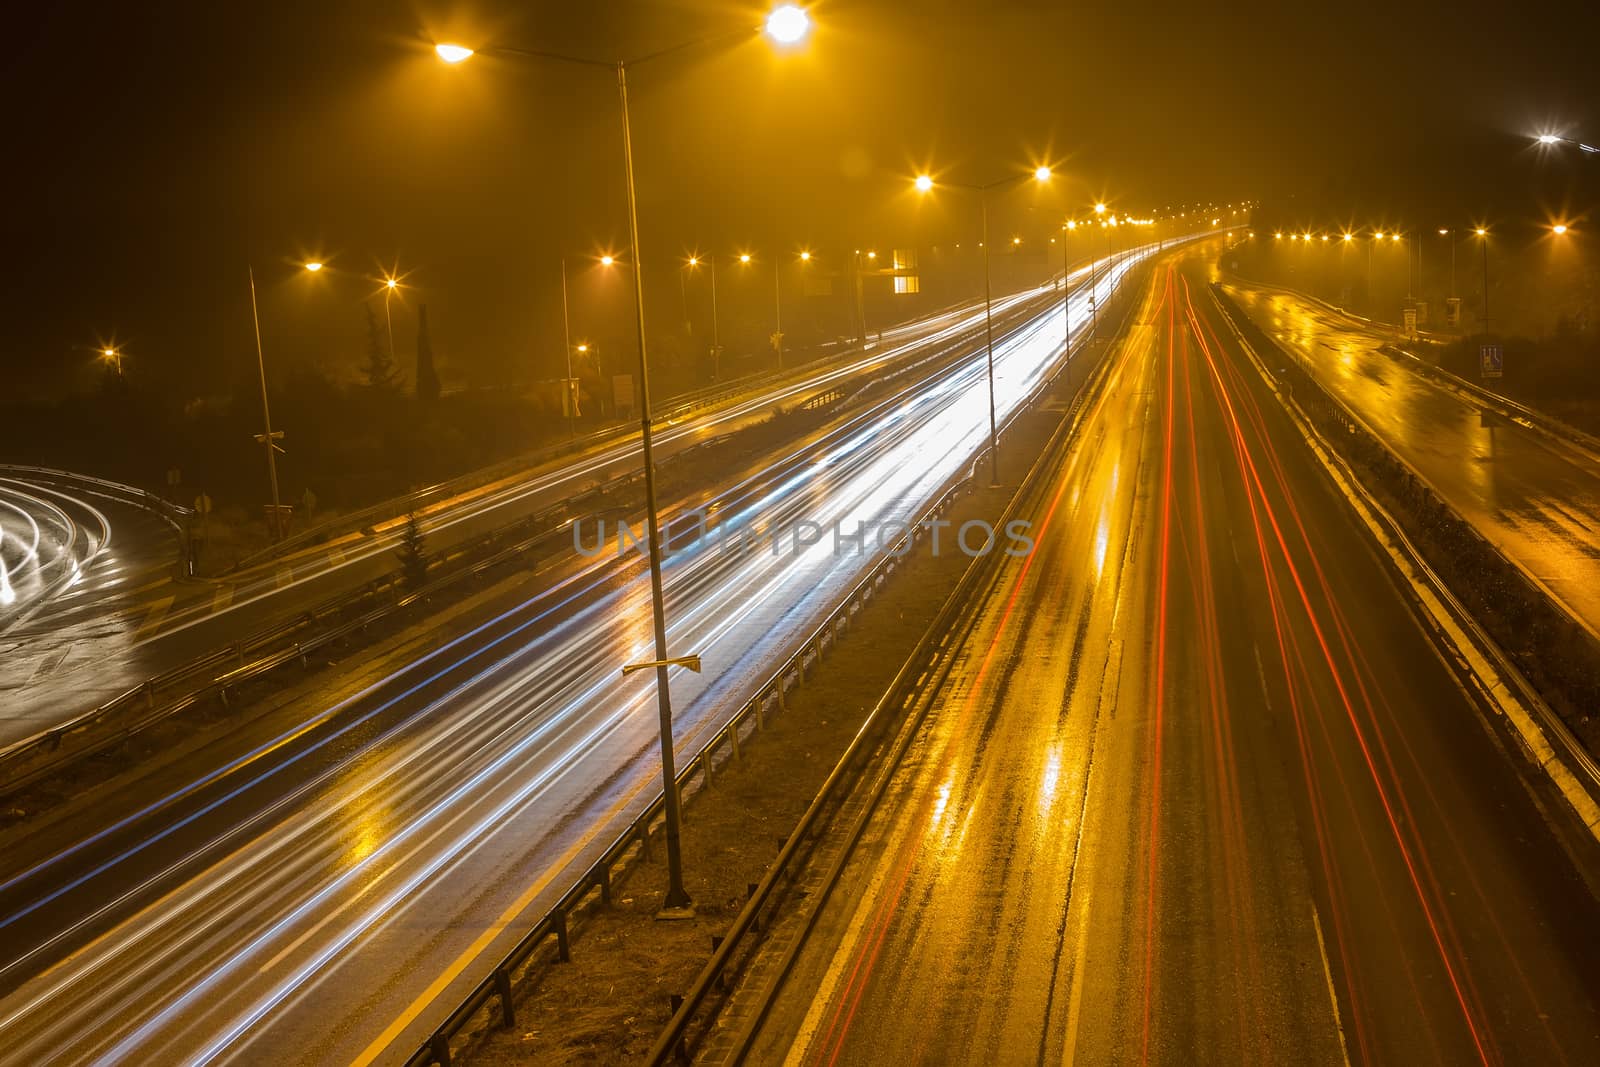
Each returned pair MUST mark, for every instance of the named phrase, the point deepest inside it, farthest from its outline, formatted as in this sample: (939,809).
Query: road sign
(202,504)
(1452,311)
(1491,361)
(1409,317)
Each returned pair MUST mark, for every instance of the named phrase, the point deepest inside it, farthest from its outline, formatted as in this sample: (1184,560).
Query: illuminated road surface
(1196,788)
(58,569)
(327,901)
(59,672)
(1535,497)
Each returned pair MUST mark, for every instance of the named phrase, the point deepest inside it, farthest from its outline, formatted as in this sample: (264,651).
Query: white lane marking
(843,956)
(1327,973)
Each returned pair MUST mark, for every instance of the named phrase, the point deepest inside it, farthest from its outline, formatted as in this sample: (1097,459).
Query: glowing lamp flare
(923,183)
(313,266)
(1558,229)
(452,53)
(788,24)
(1041,174)
(606,261)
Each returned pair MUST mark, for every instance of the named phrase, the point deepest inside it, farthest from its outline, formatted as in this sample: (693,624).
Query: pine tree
(427,377)
(380,369)
(413,554)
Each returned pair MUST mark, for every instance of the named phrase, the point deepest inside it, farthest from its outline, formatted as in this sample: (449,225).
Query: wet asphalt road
(1534,496)
(325,892)
(1198,788)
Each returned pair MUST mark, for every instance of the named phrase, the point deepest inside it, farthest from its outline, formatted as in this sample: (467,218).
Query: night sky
(155,150)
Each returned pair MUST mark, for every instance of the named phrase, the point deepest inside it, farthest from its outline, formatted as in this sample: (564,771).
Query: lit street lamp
(1483,236)
(391,284)
(268,438)
(693,263)
(785,25)
(1550,140)
(924,183)
(113,355)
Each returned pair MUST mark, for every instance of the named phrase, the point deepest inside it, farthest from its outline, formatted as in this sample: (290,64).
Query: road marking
(153,618)
(221,599)
(1327,973)
(844,954)
(474,950)
(1080,953)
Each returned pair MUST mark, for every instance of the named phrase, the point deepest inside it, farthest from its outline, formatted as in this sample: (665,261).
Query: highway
(1194,786)
(1533,495)
(323,887)
(58,673)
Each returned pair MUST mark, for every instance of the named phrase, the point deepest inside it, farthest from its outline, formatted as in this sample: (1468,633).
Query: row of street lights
(1377,237)
(785,26)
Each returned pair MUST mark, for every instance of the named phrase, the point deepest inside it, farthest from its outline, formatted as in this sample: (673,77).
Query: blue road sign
(1491,360)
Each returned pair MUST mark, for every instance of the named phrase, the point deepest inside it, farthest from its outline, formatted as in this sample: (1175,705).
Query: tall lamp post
(924,184)
(268,437)
(693,263)
(569,389)
(785,25)
(1483,236)
(1094,277)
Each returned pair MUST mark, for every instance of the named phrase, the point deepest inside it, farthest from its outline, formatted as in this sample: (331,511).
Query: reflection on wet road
(1534,496)
(1196,787)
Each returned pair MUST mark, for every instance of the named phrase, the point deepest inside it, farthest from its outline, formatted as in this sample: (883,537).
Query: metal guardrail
(675,408)
(638,836)
(1535,419)
(1573,752)
(635,840)
(175,515)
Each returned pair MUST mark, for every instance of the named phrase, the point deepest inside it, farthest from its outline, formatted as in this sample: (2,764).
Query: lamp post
(1066,286)
(693,263)
(390,285)
(1447,234)
(268,437)
(785,25)
(1094,278)
(569,391)
(1483,236)
(924,184)
(113,355)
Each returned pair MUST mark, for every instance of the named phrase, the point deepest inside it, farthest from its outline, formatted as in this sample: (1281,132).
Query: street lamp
(924,183)
(1550,140)
(785,25)
(1483,236)
(391,285)
(268,437)
(693,263)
